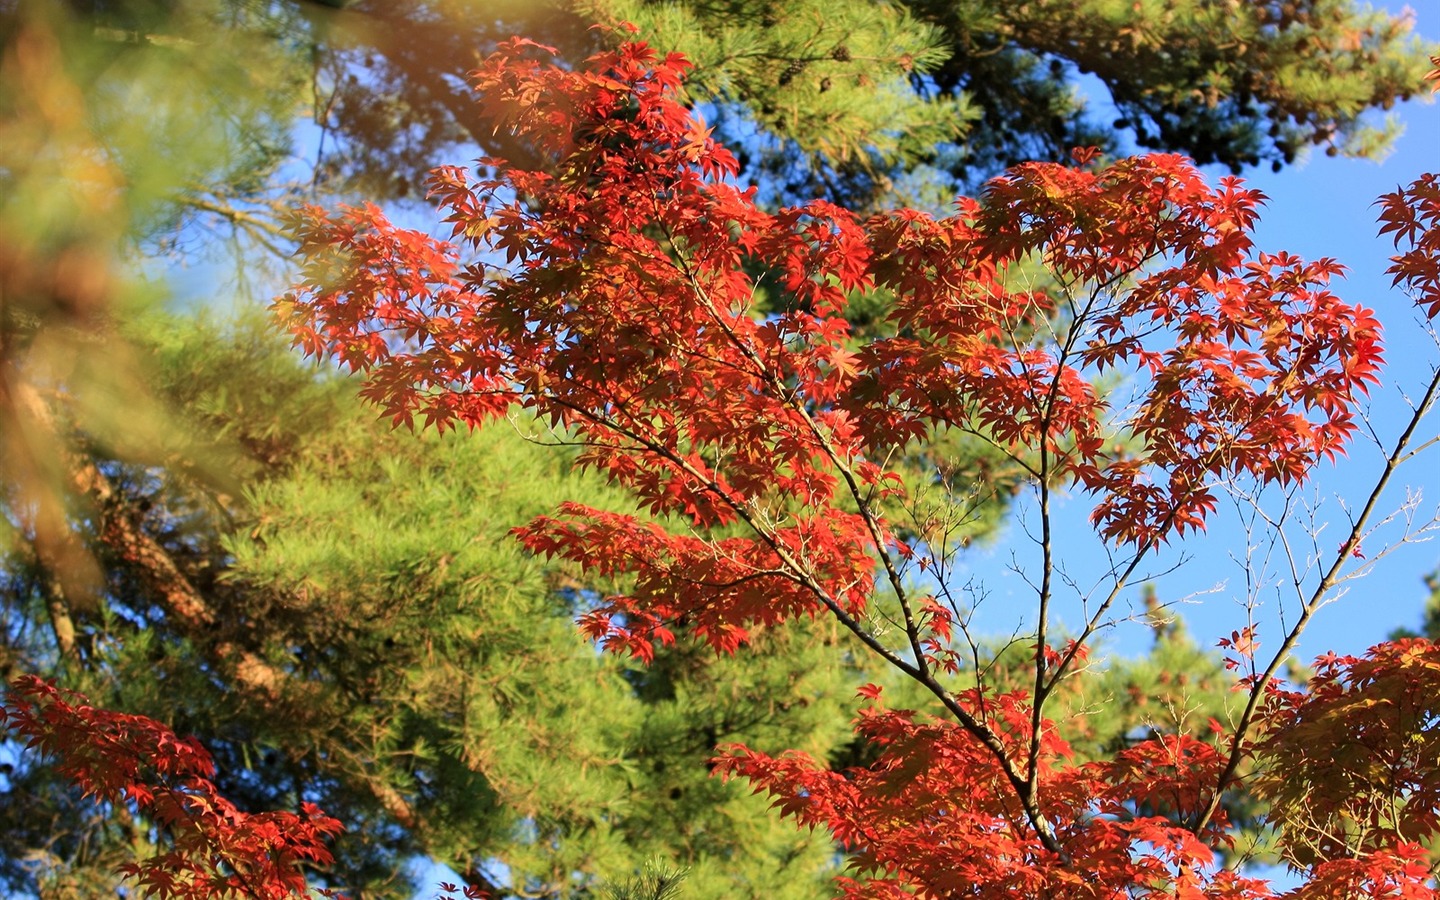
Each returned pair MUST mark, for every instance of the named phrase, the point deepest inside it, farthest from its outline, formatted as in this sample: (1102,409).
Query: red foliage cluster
(210,848)
(625,314)
(935,813)
(1412,215)
(1351,761)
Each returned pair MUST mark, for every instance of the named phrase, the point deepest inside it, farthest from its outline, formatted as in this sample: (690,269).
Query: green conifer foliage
(488,725)
(1225,81)
(855,100)
(853,97)
(380,646)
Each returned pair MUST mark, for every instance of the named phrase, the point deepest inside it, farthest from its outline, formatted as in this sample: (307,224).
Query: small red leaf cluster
(933,816)
(1243,644)
(468,891)
(1412,215)
(212,849)
(1348,769)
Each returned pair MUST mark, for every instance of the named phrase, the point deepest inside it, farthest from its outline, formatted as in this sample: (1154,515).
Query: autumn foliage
(614,293)
(210,849)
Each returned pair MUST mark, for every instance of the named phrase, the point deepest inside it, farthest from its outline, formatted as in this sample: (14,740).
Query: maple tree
(609,295)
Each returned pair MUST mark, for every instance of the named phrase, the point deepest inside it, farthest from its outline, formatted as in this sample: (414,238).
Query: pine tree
(386,651)
(825,98)
(858,100)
